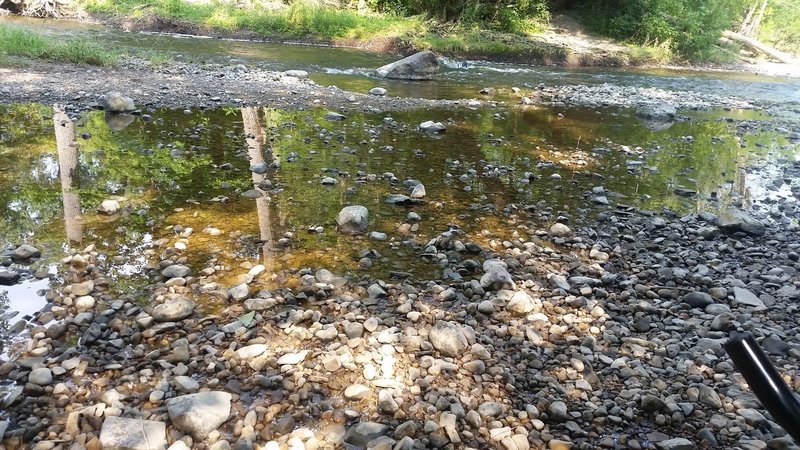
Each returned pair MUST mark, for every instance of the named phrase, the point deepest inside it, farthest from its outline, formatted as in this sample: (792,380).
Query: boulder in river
(116,102)
(353,219)
(661,111)
(419,66)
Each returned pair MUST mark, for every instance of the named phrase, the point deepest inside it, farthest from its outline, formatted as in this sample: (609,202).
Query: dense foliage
(507,15)
(687,27)
(781,25)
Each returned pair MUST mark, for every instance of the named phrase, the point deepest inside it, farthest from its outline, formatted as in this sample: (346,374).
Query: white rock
(199,414)
(119,433)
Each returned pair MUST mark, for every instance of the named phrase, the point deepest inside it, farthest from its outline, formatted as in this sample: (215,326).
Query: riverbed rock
(379,91)
(419,66)
(732,220)
(698,299)
(199,414)
(353,219)
(560,230)
(41,376)
(363,432)
(430,126)
(521,303)
(448,338)
(418,191)
(176,271)
(496,276)
(108,207)
(25,252)
(116,102)
(657,111)
(676,444)
(174,309)
(119,433)
(743,296)
(9,278)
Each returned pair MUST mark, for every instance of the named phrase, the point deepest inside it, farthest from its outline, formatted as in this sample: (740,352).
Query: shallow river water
(183,181)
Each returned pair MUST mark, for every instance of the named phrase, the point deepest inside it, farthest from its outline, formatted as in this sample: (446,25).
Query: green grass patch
(477,42)
(302,18)
(18,42)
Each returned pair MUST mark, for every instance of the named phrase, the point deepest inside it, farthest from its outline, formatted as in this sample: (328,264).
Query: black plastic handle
(765,382)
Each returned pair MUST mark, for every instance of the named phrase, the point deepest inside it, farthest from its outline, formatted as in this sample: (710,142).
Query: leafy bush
(689,27)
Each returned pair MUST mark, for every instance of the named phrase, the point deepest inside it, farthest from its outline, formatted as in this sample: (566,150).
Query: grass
(18,42)
(302,18)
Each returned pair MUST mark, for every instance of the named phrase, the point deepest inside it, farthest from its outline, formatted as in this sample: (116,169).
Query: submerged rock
(419,66)
(430,126)
(353,219)
(657,111)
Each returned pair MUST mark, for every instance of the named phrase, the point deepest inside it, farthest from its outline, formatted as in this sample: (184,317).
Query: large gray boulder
(353,219)
(657,111)
(419,66)
(732,220)
(119,433)
(496,276)
(448,338)
(174,309)
(199,414)
(116,102)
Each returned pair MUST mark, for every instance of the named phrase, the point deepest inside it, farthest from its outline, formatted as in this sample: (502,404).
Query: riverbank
(190,85)
(524,331)
(601,336)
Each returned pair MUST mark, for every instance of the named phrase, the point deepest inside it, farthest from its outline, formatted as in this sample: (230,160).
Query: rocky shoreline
(189,85)
(600,337)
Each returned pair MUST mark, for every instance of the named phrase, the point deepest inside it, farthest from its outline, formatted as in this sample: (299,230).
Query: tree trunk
(757,22)
(67,148)
(759,46)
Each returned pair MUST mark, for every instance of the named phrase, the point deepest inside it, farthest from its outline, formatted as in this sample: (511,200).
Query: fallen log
(759,46)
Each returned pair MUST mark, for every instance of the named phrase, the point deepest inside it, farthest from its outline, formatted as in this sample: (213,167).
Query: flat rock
(746,297)
(176,271)
(676,444)
(199,414)
(41,376)
(79,289)
(361,433)
(698,299)
(119,433)
(292,358)
(733,220)
(173,309)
